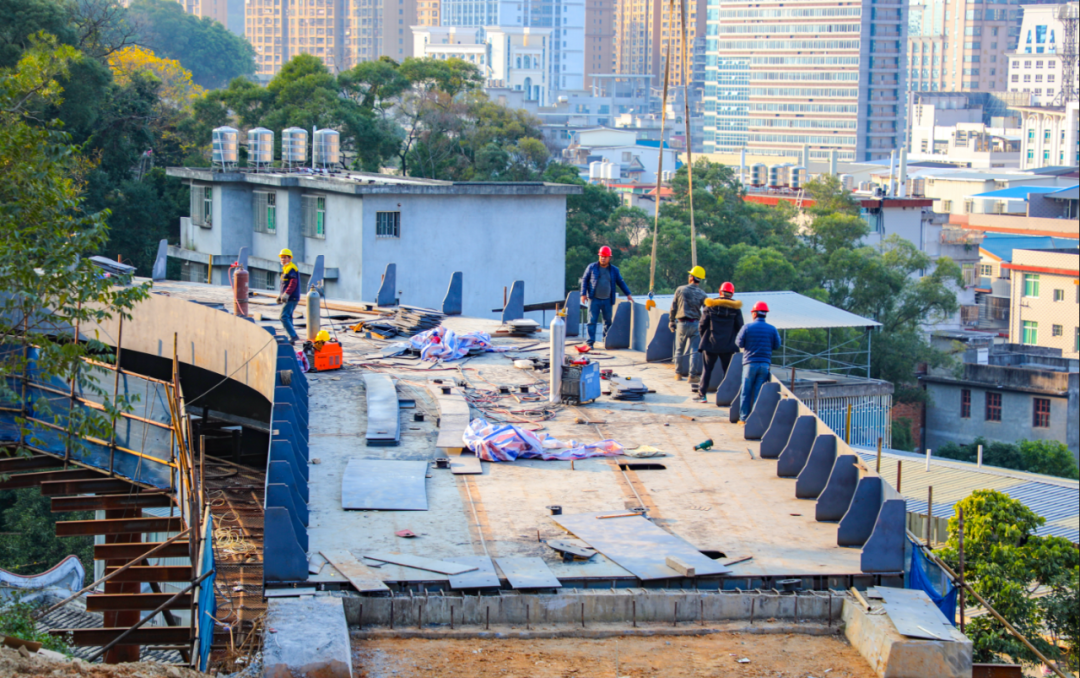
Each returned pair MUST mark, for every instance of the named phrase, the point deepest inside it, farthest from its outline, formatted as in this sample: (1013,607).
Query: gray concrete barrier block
(893,655)
(884,550)
(774,440)
(815,475)
(858,523)
(836,497)
(639,327)
(310,638)
(161,261)
(451,304)
(762,413)
(660,343)
(515,303)
(728,390)
(619,336)
(279,496)
(388,289)
(573,313)
(793,458)
(734,412)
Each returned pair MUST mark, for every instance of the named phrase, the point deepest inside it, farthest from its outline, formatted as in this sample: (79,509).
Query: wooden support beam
(13,464)
(99,485)
(34,479)
(132,550)
(152,573)
(79,528)
(147,635)
(112,602)
(108,502)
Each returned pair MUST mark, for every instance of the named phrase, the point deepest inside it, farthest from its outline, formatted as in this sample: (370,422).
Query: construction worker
(683,321)
(290,293)
(757,340)
(598,287)
(720,323)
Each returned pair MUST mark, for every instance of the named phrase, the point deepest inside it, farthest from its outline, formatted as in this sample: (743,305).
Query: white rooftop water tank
(225,147)
(294,146)
(326,148)
(261,147)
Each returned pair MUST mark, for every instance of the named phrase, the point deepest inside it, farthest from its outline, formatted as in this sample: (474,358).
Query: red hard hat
(761,307)
(605,251)
(727,287)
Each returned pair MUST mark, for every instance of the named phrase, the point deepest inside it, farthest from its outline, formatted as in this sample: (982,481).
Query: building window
(1059,295)
(388,224)
(986,270)
(946,205)
(1031,285)
(202,206)
(1031,332)
(993,406)
(262,279)
(265,212)
(1057,330)
(1040,413)
(314,216)
(965,403)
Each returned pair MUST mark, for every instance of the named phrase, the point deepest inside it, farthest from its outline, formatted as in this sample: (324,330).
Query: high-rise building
(646,29)
(599,39)
(960,45)
(1037,64)
(781,76)
(317,27)
(565,18)
(427,13)
(218,10)
(267,29)
(512,57)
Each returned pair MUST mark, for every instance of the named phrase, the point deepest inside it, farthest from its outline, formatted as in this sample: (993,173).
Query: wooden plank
(483,577)
(146,635)
(637,545)
(528,573)
(384,485)
(420,563)
(466,464)
(113,602)
(79,528)
(110,502)
(362,577)
(681,566)
(454,418)
(131,550)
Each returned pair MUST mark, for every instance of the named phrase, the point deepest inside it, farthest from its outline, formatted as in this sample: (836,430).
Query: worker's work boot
(678,377)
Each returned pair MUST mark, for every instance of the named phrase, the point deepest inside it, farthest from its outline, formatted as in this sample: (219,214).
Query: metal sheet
(420,563)
(528,573)
(362,577)
(637,545)
(383,422)
(914,615)
(483,577)
(453,419)
(792,311)
(466,464)
(381,485)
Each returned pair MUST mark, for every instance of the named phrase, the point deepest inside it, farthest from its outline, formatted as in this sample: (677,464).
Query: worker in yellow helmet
(683,322)
(290,293)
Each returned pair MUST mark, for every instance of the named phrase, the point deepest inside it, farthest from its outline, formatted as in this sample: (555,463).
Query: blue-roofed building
(1011,200)
(993,289)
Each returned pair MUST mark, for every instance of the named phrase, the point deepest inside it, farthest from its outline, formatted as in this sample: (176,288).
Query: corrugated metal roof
(1066,194)
(71,617)
(787,310)
(1055,499)
(1001,245)
(1016,192)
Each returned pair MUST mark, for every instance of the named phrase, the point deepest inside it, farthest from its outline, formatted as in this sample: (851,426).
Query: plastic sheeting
(507,442)
(207,600)
(445,344)
(920,579)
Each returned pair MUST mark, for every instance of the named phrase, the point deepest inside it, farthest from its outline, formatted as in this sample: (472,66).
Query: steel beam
(106,602)
(35,479)
(13,464)
(148,635)
(152,573)
(111,502)
(78,528)
(130,551)
(99,485)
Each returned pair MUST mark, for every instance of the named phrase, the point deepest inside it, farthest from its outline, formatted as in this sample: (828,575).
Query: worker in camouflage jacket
(683,322)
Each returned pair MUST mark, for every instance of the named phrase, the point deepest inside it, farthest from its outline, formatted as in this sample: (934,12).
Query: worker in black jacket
(721,321)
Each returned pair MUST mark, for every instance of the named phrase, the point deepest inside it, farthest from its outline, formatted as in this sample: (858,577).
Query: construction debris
(509,442)
(519,328)
(625,388)
(405,321)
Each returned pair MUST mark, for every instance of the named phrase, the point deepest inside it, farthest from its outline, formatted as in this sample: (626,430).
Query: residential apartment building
(599,40)
(646,29)
(266,26)
(565,19)
(994,284)
(954,192)
(1045,296)
(510,57)
(780,76)
(427,13)
(1036,63)
(961,45)
(1050,136)
(318,27)
(218,10)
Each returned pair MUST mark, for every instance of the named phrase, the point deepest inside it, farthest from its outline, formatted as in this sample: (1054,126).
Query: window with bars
(1040,413)
(261,279)
(265,211)
(388,224)
(965,403)
(993,407)
(202,206)
(314,216)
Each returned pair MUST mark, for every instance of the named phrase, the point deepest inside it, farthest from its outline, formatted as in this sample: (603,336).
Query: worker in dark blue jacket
(757,340)
(598,291)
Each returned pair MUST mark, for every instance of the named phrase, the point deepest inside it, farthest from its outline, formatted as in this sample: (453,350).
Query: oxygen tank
(313,317)
(558,345)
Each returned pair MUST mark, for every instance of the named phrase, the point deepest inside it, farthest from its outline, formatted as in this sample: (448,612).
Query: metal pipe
(929,515)
(979,460)
(929,453)
(960,526)
(878,469)
(899,472)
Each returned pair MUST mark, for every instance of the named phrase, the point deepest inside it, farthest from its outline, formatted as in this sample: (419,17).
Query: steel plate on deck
(914,615)
(383,422)
(528,573)
(483,577)
(637,545)
(380,485)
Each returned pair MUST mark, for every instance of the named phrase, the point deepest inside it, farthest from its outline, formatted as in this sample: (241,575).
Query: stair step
(108,502)
(131,550)
(146,635)
(152,573)
(34,479)
(115,602)
(80,528)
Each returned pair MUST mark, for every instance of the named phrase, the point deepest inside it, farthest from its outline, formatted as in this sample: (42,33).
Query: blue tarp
(207,600)
(919,579)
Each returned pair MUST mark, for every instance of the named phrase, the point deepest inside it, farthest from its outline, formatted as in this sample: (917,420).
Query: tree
(1049,457)
(30,545)
(1006,562)
(214,55)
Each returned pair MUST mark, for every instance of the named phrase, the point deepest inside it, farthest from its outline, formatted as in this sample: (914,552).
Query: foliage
(902,439)
(30,544)
(1062,615)
(177,91)
(1049,457)
(17,621)
(212,53)
(1005,563)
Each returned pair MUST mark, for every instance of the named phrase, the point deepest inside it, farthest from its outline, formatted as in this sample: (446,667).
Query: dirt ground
(35,666)
(712,656)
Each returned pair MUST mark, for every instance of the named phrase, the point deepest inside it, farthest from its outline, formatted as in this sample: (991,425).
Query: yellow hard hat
(698,272)
(322,336)
(285,253)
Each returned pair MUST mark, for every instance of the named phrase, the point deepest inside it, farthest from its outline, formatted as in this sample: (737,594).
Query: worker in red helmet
(757,340)
(598,287)
(721,321)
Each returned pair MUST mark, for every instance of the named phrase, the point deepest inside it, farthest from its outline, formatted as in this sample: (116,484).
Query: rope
(689,152)
(660,161)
